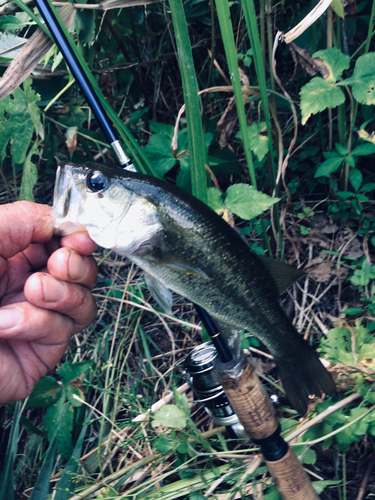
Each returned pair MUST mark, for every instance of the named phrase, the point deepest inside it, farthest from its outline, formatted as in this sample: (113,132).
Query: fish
(184,246)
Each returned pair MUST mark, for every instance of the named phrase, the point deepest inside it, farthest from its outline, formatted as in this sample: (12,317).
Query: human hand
(45,295)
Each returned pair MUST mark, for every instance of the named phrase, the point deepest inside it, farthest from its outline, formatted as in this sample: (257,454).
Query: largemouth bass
(186,247)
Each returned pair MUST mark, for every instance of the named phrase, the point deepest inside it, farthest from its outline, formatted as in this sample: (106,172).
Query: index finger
(22,223)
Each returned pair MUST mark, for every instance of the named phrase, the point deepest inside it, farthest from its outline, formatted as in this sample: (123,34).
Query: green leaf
(329,166)
(159,152)
(335,61)
(181,401)
(341,149)
(29,176)
(246,202)
(363,79)
(163,444)
(46,392)
(366,188)
(66,485)
(319,486)
(17,123)
(170,416)
(71,371)
(223,162)
(258,139)
(338,8)
(318,95)
(85,25)
(344,194)
(353,310)
(272,494)
(215,200)
(64,435)
(364,149)
(355,177)
(350,159)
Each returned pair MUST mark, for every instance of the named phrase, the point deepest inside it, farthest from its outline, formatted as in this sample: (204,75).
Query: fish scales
(195,253)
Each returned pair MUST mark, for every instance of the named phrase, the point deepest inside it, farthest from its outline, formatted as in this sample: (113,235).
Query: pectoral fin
(176,263)
(282,274)
(160,293)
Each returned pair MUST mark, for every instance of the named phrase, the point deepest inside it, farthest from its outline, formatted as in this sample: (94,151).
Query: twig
(362,488)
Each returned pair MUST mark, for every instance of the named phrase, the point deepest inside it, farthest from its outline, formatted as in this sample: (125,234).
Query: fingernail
(52,289)
(9,317)
(76,266)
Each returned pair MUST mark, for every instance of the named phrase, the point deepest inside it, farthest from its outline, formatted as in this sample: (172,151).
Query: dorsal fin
(282,274)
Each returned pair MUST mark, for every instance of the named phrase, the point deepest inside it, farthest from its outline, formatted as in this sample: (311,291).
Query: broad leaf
(335,61)
(215,200)
(46,392)
(64,436)
(364,150)
(246,202)
(71,371)
(318,95)
(338,7)
(363,79)
(355,177)
(258,139)
(329,166)
(170,416)
(162,444)
(17,122)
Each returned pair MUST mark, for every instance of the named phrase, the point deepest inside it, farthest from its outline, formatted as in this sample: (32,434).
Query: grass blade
(7,475)
(41,488)
(197,148)
(223,13)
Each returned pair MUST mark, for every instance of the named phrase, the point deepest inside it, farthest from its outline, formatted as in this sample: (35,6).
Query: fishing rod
(242,386)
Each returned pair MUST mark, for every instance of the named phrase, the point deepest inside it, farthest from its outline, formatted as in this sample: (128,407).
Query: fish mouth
(66,201)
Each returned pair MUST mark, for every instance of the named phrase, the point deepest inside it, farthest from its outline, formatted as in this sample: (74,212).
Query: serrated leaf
(258,139)
(329,166)
(215,200)
(355,177)
(45,393)
(182,401)
(71,371)
(170,416)
(363,79)
(318,95)
(335,61)
(16,124)
(246,202)
(64,436)
(364,150)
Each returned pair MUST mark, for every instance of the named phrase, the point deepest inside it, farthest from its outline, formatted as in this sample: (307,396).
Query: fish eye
(96,182)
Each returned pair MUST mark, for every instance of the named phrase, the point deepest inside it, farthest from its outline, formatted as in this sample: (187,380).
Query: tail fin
(303,375)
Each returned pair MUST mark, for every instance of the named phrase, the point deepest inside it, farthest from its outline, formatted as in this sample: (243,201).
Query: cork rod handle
(253,407)
(290,478)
